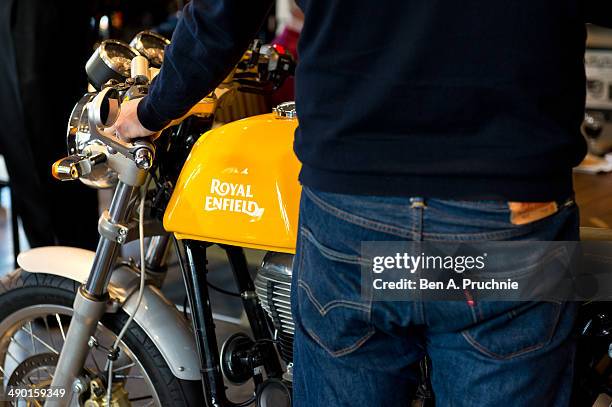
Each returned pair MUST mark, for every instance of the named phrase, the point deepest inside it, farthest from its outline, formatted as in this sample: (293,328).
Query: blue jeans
(349,351)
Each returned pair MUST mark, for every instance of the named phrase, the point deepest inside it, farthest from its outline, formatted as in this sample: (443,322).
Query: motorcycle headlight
(80,142)
(111,60)
(151,45)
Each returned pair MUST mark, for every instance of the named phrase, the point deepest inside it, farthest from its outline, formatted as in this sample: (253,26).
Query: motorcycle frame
(192,257)
(193,261)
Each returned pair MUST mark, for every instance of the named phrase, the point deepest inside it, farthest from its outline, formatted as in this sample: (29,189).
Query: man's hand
(128,126)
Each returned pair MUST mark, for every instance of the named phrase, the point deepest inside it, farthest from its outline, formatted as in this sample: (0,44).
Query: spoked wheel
(35,312)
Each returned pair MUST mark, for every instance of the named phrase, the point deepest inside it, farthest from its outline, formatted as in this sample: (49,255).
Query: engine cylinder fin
(273,287)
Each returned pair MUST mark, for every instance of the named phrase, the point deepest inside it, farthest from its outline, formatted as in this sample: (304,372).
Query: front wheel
(35,311)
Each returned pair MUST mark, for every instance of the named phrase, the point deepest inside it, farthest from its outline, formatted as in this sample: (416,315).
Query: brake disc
(23,373)
(27,375)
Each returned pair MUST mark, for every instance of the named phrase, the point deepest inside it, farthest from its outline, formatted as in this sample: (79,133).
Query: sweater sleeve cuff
(149,117)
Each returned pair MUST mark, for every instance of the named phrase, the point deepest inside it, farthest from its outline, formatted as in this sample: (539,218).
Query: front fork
(92,298)
(194,267)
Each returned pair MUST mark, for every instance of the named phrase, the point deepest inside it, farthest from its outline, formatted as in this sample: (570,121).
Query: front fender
(157,316)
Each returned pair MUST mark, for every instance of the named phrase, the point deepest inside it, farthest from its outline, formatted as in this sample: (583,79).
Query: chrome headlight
(151,45)
(80,142)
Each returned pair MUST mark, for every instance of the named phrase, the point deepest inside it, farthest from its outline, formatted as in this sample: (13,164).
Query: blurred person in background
(43,47)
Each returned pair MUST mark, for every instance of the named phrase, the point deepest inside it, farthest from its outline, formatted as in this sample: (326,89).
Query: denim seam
(366,308)
(379,204)
(494,355)
(324,309)
(357,220)
(452,217)
(497,208)
(501,206)
(419,236)
(472,341)
(501,234)
(330,253)
(473,309)
(522,271)
(300,268)
(343,351)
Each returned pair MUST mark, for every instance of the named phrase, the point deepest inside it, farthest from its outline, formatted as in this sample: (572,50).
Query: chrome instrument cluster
(111,60)
(116,70)
(285,110)
(97,156)
(151,45)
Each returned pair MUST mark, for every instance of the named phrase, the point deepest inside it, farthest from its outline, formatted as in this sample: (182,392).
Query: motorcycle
(93,329)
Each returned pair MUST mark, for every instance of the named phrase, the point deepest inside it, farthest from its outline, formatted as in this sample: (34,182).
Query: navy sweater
(454,99)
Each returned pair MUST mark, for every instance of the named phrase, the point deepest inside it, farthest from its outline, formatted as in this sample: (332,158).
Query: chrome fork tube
(155,259)
(87,312)
(89,305)
(106,253)
(156,252)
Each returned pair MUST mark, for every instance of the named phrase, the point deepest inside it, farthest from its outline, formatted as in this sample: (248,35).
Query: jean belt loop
(417,202)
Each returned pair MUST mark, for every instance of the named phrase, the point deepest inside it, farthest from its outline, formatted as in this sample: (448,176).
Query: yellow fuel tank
(240,186)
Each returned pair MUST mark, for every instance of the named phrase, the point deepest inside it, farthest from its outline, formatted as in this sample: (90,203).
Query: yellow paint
(240,186)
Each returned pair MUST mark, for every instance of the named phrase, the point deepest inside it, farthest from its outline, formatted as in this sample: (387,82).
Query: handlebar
(104,110)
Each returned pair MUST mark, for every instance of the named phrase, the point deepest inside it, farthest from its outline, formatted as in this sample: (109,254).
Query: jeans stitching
(493,206)
(472,308)
(500,234)
(343,351)
(324,309)
(357,220)
(521,271)
(330,253)
(494,355)
(472,341)
(295,275)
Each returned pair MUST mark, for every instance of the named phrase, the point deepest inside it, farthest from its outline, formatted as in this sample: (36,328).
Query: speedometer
(111,60)
(151,45)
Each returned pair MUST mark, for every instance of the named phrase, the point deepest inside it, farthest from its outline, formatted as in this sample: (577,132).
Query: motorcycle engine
(273,287)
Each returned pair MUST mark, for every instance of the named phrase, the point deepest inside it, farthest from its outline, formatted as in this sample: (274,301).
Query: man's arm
(208,41)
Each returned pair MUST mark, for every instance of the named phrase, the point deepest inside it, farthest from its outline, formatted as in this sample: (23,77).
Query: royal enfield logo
(228,197)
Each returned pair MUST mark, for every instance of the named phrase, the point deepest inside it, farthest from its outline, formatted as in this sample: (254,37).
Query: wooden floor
(594,197)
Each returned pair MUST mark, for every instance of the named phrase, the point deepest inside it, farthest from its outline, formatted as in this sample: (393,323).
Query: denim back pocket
(328,302)
(509,329)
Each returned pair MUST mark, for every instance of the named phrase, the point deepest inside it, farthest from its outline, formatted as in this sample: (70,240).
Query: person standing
(423,121)
(43,47)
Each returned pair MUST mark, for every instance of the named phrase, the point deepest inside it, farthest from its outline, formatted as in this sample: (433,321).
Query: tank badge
(229,197)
